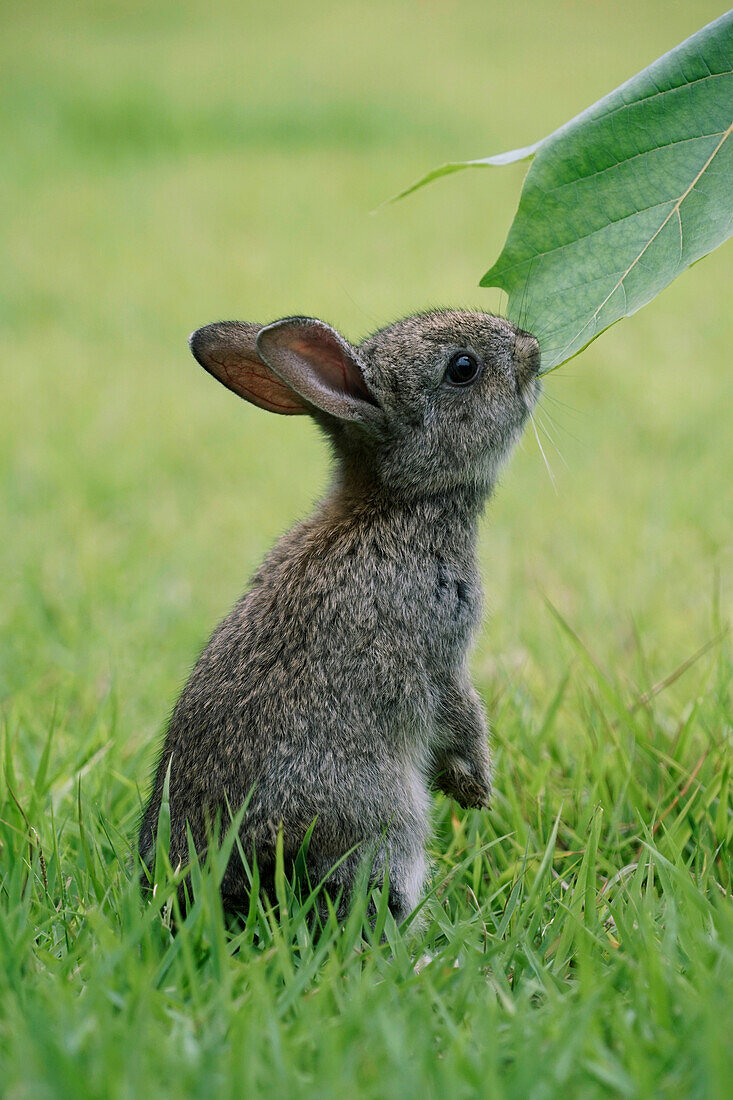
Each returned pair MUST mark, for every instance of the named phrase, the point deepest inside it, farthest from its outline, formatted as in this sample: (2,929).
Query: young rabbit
(337,691)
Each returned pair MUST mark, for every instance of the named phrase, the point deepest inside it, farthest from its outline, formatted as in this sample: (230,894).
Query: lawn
(166,165)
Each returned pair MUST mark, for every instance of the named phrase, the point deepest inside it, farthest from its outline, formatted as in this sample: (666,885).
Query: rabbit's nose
(526,353)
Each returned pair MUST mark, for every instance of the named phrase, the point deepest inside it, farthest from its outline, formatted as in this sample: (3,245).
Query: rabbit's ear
(319,365)
(228,350)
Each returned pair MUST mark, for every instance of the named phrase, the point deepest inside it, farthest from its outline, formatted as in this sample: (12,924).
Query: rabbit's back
(315,697)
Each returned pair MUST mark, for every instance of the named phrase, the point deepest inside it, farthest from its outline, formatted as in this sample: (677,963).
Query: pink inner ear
(252,379)
(269,392)
(334,365)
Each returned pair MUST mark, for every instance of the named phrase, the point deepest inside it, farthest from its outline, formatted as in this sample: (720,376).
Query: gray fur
(337,689)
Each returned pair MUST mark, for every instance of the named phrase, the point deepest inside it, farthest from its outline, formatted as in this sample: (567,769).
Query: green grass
(166,165)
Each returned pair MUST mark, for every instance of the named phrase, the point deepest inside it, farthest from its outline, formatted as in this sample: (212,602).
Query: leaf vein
(675,210)
(633,157)
(654,95)
(585,237)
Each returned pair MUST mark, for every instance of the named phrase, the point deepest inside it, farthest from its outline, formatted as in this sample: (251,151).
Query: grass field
(165,165)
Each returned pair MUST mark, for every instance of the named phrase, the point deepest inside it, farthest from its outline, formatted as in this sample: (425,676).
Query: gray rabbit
(337,690)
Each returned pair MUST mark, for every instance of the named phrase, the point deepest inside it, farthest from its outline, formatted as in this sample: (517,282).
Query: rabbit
(336,693)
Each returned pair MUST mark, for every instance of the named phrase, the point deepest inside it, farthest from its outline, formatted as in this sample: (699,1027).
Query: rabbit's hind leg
(337,878)
(407,873)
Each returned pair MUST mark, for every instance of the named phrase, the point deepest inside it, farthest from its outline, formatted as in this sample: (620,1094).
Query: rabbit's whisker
(542,452)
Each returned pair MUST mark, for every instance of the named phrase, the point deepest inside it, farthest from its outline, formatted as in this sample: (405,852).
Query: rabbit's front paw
(467,784)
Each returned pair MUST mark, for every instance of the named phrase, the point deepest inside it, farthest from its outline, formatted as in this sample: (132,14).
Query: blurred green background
(168,164)
(165,165)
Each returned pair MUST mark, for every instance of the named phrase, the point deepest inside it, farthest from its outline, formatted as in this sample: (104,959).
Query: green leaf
(621,199)
(624,197)
(495,161)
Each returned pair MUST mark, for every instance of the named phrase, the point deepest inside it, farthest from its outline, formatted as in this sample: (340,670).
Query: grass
(166,166)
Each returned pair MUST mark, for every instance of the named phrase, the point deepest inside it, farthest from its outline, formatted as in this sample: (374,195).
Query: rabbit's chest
(452,605)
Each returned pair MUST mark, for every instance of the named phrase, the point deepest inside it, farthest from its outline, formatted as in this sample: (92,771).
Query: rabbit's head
(431,403)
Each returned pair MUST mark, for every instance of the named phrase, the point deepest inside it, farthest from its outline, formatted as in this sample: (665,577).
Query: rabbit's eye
(463,369)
